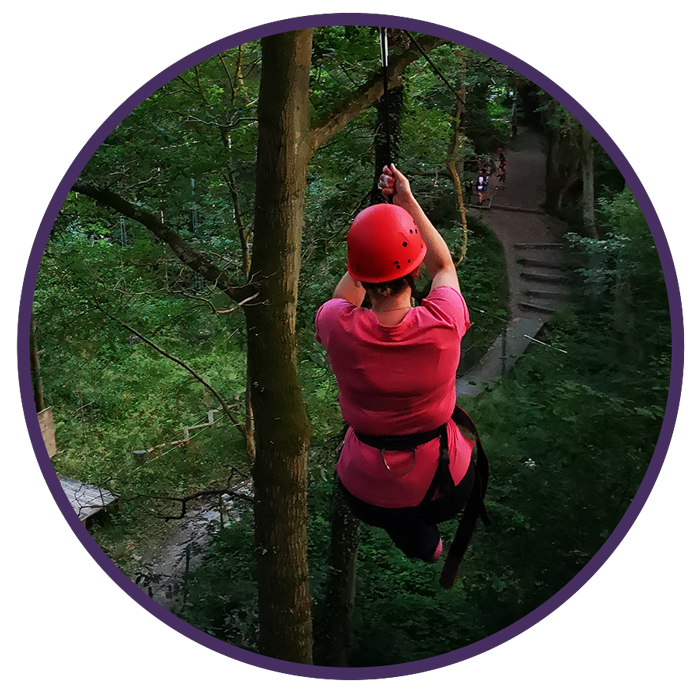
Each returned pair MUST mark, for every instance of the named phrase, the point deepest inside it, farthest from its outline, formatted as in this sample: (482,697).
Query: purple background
(79,617)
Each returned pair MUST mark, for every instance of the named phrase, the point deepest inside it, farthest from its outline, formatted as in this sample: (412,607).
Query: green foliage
(622,275)
(484,283)
(221,595)
(111,393)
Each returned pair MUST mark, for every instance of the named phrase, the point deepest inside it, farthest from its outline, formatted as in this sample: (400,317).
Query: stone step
(538,246)
(549,264)
(542,277)
(548,293)
(521,210)
(535,307)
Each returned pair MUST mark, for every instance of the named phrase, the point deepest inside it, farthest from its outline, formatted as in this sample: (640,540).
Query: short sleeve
(448,305)
(327,316)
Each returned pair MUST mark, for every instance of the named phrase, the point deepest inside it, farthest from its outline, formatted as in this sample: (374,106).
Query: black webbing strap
(384,48)
(474,509)
(443,479)
(399,442)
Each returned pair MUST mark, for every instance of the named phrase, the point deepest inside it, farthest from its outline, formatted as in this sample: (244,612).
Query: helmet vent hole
(405,244)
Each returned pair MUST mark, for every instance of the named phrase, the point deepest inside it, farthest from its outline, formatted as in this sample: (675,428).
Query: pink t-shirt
(396,380)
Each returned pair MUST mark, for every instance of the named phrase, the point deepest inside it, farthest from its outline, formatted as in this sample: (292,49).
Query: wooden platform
(85,499)
(45,419)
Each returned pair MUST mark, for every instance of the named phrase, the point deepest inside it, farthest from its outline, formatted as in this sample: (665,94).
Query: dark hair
(392,287)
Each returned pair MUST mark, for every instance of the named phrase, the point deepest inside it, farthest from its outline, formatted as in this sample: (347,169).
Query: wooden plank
(85,499)
(45,418)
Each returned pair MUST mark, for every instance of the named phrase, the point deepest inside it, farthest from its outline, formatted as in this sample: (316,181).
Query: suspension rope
(384,49)
(434,67)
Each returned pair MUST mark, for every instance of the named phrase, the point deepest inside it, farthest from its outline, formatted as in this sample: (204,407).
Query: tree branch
(243,234)
(192,258)
(184,365)
(228,75)
(354,104)
(213,308)
(184,500)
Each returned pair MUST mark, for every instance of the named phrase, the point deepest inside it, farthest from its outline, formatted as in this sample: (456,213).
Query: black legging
(414,529)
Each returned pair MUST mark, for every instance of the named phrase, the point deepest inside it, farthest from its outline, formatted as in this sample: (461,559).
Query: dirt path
(164,574)
(532,248)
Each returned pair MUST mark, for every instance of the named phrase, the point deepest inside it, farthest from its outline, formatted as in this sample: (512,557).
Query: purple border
(621,618)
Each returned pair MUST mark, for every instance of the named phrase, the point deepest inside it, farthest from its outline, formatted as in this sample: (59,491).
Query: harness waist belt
(400,442)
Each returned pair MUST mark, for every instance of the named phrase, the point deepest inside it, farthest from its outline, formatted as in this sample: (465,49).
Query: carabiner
(391,471)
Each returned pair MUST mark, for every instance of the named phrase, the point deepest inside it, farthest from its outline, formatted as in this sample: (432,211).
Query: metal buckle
(391,471)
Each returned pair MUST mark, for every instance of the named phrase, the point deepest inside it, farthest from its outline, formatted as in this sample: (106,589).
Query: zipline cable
(434,67)
(441,76)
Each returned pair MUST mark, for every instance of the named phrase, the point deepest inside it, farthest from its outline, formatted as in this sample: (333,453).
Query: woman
(405,465)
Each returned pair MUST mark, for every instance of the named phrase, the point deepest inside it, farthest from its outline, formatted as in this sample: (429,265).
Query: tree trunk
(282,431)
(587,168)
(34,365)
(335,623)
(563,170)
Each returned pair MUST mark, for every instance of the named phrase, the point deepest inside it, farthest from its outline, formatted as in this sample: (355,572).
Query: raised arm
(438,260)
(350,290)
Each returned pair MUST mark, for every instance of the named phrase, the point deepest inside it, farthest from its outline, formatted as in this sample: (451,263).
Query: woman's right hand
(394,183)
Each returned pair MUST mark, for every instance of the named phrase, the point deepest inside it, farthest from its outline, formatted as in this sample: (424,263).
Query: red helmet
(384,244)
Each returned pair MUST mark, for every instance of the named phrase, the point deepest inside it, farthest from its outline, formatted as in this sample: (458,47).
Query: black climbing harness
(401,443)
(442,483)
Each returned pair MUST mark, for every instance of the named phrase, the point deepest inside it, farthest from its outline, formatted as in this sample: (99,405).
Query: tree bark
(282,430)
(587,170)
(34,365)
(335,624)
(563,170)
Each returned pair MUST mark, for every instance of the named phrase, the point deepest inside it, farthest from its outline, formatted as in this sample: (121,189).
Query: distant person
(481,186)
(502,172)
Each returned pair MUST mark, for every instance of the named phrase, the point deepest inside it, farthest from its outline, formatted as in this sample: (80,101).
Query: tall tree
(282,431)
(570,162)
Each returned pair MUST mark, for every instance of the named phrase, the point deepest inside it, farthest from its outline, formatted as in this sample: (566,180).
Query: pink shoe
(438,551)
